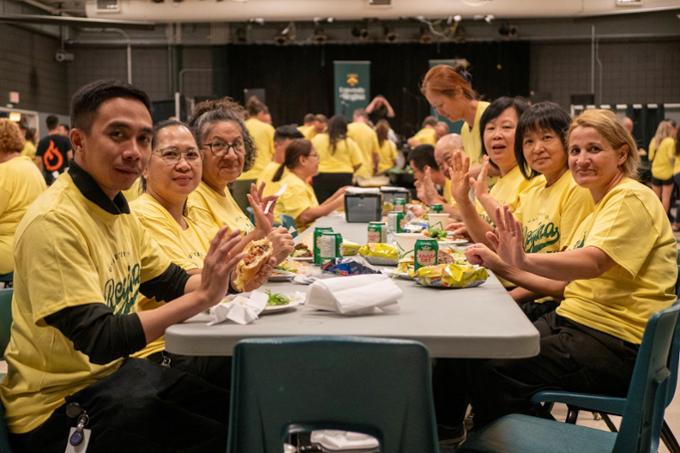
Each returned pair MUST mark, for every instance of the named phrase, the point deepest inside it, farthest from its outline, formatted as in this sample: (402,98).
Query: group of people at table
(585,250)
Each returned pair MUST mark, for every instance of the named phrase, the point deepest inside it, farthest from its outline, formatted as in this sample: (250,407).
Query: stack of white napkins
(242,309)
(332,440)
(358,294)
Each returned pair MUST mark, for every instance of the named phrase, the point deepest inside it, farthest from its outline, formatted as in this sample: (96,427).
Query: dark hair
(66,127)
(539,117)
(421,156)
(255,106)
(206,113)
(51,122)
(337,130)
(382,130)
(494,110)
(295,149)
(308,118)
(289,131)
(430,121)
(360,112)
(321,118)
(88,98)
(162,125)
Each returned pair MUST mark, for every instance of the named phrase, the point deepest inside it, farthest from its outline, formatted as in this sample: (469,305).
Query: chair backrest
(375,386)
(648,391)
(289,223)
(5,317)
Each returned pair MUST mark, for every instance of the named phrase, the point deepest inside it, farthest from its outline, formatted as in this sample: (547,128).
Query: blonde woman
(662,156)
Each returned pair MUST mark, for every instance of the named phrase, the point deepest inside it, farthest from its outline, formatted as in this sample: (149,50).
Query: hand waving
(460,177)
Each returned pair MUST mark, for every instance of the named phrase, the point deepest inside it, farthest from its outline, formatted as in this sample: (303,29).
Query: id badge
(82,446)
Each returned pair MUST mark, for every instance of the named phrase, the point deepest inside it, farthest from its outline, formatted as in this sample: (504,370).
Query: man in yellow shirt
(81,261)
(425,136)
(319,126)
(282,138)
(307,124)
(366,138)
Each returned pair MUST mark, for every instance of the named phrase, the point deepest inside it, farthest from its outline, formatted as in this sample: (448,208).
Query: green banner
(454,127)
(352,86)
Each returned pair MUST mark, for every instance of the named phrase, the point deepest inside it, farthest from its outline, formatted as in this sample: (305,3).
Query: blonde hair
(663,131)
(11,138)
(610,128)
(446,80)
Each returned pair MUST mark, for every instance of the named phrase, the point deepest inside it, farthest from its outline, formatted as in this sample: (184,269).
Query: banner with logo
(352,86)
(454,127)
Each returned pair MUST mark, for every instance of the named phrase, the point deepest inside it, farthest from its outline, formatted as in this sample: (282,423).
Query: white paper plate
(305,259)
(281,276)
(377,261)
(279,308)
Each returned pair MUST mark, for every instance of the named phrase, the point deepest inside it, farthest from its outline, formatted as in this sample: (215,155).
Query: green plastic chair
(379,387)
(5,324)
(6,278)
(289,223)
(642,413)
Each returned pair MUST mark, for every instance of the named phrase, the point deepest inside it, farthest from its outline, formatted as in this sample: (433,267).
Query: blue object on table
(380,387)
(642,415)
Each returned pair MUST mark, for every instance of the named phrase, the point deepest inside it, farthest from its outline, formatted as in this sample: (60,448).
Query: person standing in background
(54,151)
(366,138)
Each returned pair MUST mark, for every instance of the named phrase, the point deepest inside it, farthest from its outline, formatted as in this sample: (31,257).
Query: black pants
(573,357)
(214,369)
(325,184)
(142,407)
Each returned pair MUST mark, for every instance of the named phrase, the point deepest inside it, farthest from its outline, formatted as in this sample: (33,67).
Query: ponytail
(279,173)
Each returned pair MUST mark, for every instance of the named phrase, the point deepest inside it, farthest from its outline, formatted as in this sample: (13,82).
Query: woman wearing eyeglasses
(227,151)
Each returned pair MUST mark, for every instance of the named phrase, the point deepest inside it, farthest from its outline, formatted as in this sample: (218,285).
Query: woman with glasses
(299,200)
(174,171)
(227,151)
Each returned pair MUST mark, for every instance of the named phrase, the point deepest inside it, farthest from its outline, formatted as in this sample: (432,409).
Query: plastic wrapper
(451,276)
(405,269)
(349,266)
(380,254)
(349,248)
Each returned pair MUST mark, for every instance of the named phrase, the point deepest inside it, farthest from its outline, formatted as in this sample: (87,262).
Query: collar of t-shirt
(91,190)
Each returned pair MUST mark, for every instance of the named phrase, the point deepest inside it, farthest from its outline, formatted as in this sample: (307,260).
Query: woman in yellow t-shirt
(299,201)
(228,150)
(498,128)
(340,159)
(20,184)
(620,269)
(662,156)
(387,150)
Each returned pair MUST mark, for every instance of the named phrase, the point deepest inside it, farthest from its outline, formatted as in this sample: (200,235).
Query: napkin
(358,294)
(332,440)
(242,309)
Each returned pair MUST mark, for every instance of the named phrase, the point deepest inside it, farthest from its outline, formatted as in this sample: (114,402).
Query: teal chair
(251,214)
(7,279)
(289,223)
(5,324)
(642,412)
(283,386)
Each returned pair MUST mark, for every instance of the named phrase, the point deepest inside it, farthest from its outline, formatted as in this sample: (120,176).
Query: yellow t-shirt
(309,132)
(367,140)
(266,176)
(20,183)
(134,191)
(631,227)
(472,137)
(446,193)
(296,199)
(664,162)
(507,190)
(209,207)
(550,215)
(263,139)
(69,252)
(388,156)
(426,136)
(186,248)
(346,155)
(28,150)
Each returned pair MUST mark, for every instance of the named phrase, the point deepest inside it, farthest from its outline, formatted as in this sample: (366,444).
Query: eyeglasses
(172,155)
(221,149)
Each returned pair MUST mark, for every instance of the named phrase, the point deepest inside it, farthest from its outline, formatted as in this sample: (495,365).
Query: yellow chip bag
(380,254)
(451,275)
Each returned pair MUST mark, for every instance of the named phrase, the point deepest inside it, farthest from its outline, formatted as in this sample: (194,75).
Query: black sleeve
(98,333)
(167,286)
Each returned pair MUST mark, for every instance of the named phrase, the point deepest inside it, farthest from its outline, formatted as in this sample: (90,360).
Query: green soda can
(377,232)
(436,208)
(318,231)
(329,246)
(425,253)
(395,221)
(399,205)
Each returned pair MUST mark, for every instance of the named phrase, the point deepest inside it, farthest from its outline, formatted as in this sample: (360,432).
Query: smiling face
(499,140)
(117,147)
(220,171)
(595,164)
(544,152)
(173,180)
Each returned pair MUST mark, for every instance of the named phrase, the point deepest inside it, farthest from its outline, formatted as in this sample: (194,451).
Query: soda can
(399,204)
(425,253)
(395,222)
(329,246)
(377,232)
(436,208)
(318,231)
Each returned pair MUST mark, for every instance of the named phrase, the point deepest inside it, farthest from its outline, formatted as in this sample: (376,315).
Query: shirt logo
(53,159)
(544,236)
(121,295)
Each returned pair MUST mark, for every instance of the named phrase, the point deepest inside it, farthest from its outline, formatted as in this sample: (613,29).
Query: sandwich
(255,255)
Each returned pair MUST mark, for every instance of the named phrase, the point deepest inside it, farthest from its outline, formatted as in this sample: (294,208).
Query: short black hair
(51,122)
(540,117)
(162,125)
(289,131)
(88,98)
(421,156)
(494,110)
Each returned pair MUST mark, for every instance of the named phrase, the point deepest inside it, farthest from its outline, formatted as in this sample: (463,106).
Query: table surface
(481,322)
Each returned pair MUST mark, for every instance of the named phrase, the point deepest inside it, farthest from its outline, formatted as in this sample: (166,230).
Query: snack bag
(349,248)
(348,266)
(380,254)
(451,275)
